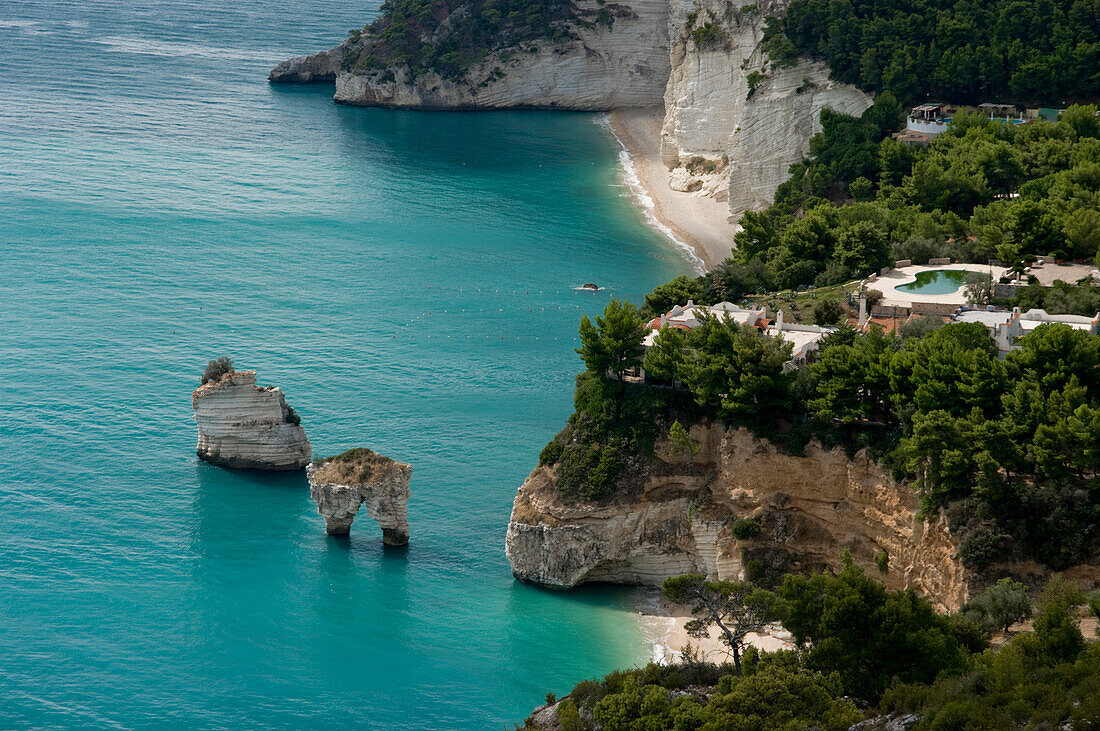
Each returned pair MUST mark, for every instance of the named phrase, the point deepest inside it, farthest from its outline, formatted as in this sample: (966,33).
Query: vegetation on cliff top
(1043,51)
(450,36)
(358,464)
(861,652)
(216,369)
(1010,449)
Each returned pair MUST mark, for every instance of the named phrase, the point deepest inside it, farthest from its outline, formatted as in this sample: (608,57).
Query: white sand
(697,223)
(662,624)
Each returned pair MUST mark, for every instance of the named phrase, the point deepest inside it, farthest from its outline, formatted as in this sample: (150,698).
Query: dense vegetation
(982,191)
(358,464)
(863,652)
(450,36)
(1010,448)
(1041,51)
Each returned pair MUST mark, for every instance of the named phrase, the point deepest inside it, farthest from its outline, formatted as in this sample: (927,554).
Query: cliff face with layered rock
(599,68)
(807,510)
(247,426)
(343,484)
(728,107)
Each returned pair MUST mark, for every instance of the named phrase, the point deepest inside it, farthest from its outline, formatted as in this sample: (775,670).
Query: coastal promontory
(587,55)
(343,484)
(738,500)
(246,426)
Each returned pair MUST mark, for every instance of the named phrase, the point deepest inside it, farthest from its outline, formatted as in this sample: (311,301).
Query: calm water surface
(405,278)
(937,281)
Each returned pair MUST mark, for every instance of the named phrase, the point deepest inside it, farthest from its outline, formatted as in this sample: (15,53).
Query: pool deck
(892,296)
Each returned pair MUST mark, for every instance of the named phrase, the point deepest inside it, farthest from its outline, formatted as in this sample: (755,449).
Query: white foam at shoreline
(642,199)
(656,627)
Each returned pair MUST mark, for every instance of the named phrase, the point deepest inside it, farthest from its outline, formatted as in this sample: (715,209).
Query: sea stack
(341,485)
(246,426)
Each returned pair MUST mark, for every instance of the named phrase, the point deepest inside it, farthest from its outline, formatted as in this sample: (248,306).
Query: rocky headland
(246,426)
(343,484)
(619,62)
(739,501)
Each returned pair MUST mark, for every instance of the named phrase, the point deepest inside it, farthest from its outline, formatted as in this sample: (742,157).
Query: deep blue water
(405,278)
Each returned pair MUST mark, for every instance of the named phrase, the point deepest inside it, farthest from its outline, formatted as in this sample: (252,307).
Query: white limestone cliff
(752,133)
(343,484)
(682,521)
(247,426)
(600,69)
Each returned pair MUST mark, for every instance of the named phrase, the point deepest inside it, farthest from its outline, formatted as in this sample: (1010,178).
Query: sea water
(406,278)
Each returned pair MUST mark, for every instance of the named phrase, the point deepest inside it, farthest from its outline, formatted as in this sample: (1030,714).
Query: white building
(1005,327)
(803,338)
(691,315)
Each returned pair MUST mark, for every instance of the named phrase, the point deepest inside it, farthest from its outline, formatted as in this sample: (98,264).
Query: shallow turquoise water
(937,281)
(405,278)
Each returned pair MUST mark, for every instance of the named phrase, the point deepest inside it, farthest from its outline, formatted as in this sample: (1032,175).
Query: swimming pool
(936,281)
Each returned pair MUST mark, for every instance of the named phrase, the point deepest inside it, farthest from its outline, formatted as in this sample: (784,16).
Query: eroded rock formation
(343,484)
(248,426)
(807,509)
(730,111)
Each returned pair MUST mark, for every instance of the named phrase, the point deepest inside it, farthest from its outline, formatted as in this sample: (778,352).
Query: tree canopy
(957,50)
(980,191)
(864,652)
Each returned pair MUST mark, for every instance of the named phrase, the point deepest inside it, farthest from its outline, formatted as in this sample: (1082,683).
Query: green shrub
(827,312)
(710,36)
(569,718)
(217,368)
(1062,592)
(754,80)
(551,453)
(999,606)
(882,561)
(292,416)
(745,529)
(982,546)
(681,441)
(587,693)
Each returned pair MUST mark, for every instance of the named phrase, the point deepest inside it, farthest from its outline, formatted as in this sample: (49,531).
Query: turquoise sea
(406,278)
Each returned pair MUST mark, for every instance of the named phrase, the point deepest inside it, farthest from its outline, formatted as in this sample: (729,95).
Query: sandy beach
(694,222)
(662,625)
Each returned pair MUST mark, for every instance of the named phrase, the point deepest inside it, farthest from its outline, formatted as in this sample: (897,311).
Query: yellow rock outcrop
(808,508)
